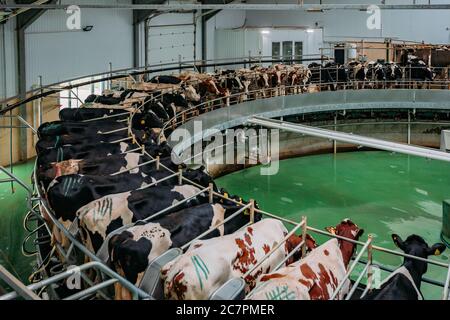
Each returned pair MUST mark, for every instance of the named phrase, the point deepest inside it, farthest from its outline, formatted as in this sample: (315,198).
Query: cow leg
(117,291)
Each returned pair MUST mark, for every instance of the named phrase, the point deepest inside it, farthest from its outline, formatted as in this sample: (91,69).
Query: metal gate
(170,39)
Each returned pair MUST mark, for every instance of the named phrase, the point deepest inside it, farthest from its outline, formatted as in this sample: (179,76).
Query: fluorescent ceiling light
(265,31)
(309,30)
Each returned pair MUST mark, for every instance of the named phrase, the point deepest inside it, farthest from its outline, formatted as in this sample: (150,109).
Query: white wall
(429,26)
(58,54)
(225,19)
(418,25)
(8,61)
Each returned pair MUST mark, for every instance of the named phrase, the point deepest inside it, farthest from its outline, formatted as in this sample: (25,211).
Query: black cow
(165,79)
(106,100)
(58,128)
(141,121)
(334,72)
(325,76)
(82,151)
(404,283)
(49,142)
(131,251)
(82,114)
(110,99)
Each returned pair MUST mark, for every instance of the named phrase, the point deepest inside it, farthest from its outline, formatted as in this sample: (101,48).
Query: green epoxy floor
(383,193)
(12,211)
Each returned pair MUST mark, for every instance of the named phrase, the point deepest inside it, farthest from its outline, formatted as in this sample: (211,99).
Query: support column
(22,92)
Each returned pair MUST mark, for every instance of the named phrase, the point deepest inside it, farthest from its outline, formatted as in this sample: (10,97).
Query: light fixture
(309,30)
(265,31)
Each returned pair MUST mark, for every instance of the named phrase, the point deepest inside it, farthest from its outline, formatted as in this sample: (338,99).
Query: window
(276,50)
(287,52)
(298,51)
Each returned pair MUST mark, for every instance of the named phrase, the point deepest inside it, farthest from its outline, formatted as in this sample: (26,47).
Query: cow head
(191,93)
(293,241)
(231,206)
(265,78)
(129,257)
(199,176)
(147,120)
(349,230)
(416,246)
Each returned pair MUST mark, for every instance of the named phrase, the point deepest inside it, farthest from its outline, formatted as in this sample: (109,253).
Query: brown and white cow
(208,264)
(316,276)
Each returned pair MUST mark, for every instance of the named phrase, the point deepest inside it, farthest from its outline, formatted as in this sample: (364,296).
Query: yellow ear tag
(437,252)
(142,121)
(246,212)
(225,195)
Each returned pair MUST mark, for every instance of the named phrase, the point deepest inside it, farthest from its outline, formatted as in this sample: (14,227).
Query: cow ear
(360,233)
(436,249)
(331,230)
(398,241)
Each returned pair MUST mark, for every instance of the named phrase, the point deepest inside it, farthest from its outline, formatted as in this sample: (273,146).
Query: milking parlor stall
(225,150)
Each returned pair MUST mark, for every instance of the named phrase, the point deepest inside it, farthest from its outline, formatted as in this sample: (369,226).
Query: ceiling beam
(234,6)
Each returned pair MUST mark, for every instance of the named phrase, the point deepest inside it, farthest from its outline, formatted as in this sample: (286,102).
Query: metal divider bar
(158,181)
(114,131)
(17,285)
(133,150)
(274,248)
(175,205)
(107,117)
(350,270)
(445,295)
(92,289)
(355,285)
(300,245)
(216,226)
(135,167)
(122,140)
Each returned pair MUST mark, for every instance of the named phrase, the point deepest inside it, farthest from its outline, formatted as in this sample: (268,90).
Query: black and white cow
(105,165)
(132,250)
(375,74)
(357,74)
(393,73)
(404,282)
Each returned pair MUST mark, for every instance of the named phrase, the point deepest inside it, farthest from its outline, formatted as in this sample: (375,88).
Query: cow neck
(347,247)
(416,268)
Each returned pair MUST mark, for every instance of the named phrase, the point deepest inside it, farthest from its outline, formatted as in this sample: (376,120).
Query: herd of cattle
(187,89)
(129,206)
